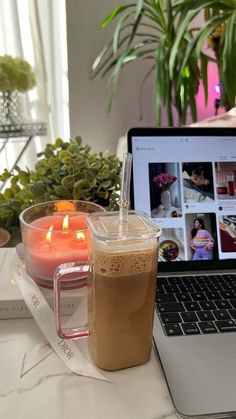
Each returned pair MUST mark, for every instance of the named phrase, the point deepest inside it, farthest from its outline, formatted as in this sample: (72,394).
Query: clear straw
(124,194)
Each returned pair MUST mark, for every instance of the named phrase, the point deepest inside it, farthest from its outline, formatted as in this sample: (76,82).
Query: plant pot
(5,237)
(166,200)
(11,109)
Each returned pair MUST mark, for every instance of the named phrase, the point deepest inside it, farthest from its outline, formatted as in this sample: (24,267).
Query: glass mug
(122,271)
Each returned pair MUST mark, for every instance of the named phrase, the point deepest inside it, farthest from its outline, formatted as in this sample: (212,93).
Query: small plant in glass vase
(164,182)
(16,77)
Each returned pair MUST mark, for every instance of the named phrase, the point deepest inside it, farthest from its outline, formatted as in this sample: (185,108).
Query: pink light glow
(218,89)
(213,80)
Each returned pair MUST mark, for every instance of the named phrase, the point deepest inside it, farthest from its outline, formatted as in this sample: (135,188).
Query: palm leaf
(192,103)
(111,63)
(159,86)
(193,8)
(98,65)
(159,9)
(179,36)
(229,58)
(125,58)
(146,77)
(100,57)
(207,29)
(139,7)
(117,31)
(134,30)
(197,42)
(170,20)
(163,85)
(113,15)
(204,64)
(152,11)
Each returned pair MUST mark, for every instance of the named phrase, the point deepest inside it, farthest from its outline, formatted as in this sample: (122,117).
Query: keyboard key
(192,306)
(207,327)
(228,294)
(173,329)
(188,279)
(198,296)
(200,287)
(165,298)
(227,286)
(175,280)
(162,280)
(215,287)
(213,295)
(233,302)
(160,289)
(171,288)
(225,325)
(205,315)
(232,313)
(207,305)
(183,296)
(171,318)
(186,288)
(222,304)
(189,316)
(228,276)
(221,314)
(216,278)
(202,279)
(170,307)
(190,329)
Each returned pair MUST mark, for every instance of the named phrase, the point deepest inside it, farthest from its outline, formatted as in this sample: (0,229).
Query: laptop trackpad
(200,371)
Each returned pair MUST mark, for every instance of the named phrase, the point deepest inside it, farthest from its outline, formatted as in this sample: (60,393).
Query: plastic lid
(106,226)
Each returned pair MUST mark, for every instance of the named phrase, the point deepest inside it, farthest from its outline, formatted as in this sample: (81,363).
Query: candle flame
(80,235)
(49,234)
(65,224)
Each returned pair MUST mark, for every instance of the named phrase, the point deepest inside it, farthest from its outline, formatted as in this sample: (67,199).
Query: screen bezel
(226,264)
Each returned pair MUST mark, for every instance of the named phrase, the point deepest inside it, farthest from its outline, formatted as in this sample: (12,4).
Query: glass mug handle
(62,270)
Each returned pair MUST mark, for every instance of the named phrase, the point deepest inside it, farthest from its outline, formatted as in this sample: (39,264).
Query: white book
(12,304)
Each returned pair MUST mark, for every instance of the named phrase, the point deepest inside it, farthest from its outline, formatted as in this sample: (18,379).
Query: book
(12,304)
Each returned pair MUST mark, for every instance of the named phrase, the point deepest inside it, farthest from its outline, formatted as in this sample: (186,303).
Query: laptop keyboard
(201,304)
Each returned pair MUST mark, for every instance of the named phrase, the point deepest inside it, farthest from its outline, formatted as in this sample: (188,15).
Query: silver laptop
(185,179)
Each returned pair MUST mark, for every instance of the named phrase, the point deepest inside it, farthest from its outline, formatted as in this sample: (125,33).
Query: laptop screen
(185,179)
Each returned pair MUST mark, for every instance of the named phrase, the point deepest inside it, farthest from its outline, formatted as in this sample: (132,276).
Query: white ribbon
(67,351)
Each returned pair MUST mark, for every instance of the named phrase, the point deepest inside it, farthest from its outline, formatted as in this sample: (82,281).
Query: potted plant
(65,170)
(16,76)
(163,33)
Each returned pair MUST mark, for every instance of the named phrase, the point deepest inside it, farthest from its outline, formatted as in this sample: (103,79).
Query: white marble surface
(50,391)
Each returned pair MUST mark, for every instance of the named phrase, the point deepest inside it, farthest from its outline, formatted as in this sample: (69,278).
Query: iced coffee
(121,302)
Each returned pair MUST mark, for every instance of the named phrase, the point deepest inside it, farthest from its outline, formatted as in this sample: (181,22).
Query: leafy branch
(65,170)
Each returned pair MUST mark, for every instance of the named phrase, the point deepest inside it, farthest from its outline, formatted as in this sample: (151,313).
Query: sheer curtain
(36,31)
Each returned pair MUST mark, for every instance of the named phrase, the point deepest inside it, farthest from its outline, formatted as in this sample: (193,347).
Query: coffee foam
(125,263)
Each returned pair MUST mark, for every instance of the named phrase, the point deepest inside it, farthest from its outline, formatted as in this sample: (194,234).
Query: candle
(54,233)
(53,240)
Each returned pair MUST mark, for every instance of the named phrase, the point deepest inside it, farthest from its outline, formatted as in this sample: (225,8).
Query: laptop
(185,179)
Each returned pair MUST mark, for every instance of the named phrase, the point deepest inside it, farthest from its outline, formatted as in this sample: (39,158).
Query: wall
(89,99)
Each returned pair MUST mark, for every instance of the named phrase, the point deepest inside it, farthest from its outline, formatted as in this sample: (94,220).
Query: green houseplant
(65,170)
(163,32)
(16,76)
